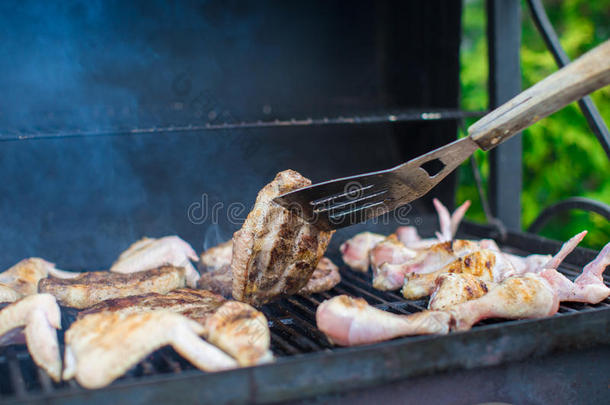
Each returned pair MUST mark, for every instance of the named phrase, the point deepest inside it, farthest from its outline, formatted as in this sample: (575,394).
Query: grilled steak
(276,251)
(101,347)
(220,278)
(90,288)
(36,316)
(235,327)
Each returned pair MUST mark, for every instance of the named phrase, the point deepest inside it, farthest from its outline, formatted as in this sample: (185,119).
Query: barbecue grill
(216,98)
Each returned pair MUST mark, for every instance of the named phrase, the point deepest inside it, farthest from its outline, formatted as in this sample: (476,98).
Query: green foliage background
(561,156)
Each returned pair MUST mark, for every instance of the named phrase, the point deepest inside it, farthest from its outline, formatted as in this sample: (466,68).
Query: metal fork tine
(330,205)
(367,199)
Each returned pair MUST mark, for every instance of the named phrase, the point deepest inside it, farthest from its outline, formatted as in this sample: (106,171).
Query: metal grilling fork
(342,202)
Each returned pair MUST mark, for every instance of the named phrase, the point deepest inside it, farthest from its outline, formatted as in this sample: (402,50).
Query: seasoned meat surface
(325,276)
(103,346)
(276,251)
(90,288)
(235,327)
(196,304)
(36,316)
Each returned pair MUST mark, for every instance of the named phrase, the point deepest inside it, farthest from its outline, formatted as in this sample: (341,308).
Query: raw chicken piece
(324,277)
(588,287)
(24,276)
(487,265)
(233,326)
(276,251)
(392,276)
(92,287)
(150,253)
(384,255)
(37,316)
(517,297)
(101,347)
(355,251)
(454,288)
(448,224)
(348,321)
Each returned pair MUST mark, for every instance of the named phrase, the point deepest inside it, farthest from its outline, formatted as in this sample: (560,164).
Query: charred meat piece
(487,265)
(235,327)
(454,288)
(101,347)
(391,276)
(90,288)
(325,276)
(36,316)
(348,321)
(150,253)
(198,303)
(215,267)
(355,251)
(216,257)
(276,251)
(220,278)
(24,276)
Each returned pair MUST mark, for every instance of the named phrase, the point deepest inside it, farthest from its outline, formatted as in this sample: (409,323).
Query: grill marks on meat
(348,321)
(196,304)
(93,287)
(242,331)
(235,327)
(276,251)
(220,279)
(150,253)
(101,347)
(36,316)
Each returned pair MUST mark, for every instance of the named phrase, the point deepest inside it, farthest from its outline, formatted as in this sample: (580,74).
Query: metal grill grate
(293,333)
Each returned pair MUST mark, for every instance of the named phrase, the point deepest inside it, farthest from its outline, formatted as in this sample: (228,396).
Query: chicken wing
(454,288)
(150,253)
(101,347)
(36,316)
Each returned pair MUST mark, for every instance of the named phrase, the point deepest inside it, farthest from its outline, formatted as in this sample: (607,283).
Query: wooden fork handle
(584,75)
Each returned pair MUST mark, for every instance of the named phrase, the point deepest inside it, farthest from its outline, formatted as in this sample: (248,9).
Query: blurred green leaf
(561,156)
